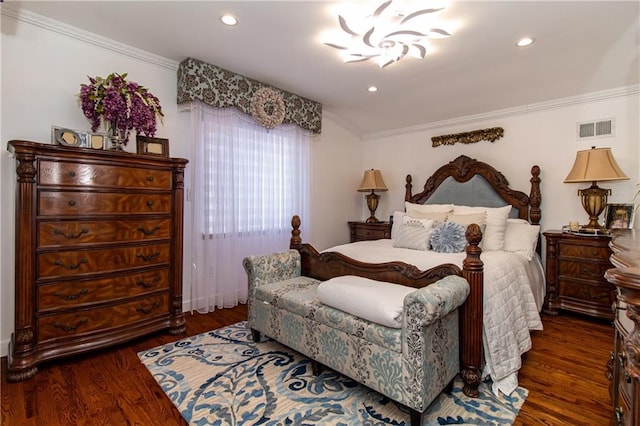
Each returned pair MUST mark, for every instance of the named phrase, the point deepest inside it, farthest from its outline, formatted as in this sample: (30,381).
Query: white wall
(546,137)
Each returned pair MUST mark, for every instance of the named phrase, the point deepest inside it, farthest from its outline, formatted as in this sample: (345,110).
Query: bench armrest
(271,268)
(428,304)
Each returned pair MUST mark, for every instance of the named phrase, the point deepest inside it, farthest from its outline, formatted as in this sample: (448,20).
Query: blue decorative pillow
(448,237)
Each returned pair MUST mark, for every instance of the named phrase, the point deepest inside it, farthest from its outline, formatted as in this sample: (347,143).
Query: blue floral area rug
(222,378)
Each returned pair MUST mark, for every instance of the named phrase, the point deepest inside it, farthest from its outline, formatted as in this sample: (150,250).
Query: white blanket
(513,295)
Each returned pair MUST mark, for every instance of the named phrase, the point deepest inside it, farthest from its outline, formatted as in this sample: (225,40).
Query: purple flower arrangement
(121,104)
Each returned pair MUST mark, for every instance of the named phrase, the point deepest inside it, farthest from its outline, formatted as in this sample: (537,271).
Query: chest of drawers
(575,270)
(98,251)
(624,365)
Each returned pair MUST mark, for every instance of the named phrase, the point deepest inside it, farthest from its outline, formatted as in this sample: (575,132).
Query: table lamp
(592,165)
(372,181)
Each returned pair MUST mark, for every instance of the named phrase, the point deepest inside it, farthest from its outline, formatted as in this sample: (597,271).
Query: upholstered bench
(411,359)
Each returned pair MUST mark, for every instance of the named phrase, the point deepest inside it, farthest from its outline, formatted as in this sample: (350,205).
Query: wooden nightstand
(362,231)
(575,275)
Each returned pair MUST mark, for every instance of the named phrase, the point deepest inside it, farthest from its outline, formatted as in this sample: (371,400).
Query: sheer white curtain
(247,183)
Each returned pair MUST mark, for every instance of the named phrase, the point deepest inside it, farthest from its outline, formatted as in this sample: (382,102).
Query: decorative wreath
(267,107)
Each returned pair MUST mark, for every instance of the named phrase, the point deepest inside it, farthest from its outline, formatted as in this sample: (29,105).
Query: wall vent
(596,129)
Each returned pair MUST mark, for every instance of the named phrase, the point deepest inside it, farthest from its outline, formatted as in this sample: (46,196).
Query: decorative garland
(267,107)
(492,134)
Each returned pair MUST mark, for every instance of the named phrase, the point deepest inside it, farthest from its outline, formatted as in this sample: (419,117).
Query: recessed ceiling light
(372,89)
(229,20)
(524,42)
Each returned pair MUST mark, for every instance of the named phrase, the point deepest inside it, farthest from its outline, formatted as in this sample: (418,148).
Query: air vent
(596,129)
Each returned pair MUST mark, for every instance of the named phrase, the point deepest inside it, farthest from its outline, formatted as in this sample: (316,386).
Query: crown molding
(12,11)
(510,112)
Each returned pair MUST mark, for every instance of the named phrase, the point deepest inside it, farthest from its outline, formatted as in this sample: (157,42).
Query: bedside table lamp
(592,165)
(372,181)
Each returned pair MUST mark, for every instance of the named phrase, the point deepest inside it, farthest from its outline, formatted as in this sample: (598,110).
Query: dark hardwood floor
(564,373)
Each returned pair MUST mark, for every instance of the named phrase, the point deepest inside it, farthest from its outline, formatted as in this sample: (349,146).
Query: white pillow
(397,223)
(375,301)
(467,219)
(414,234)
(493,237)
(427,208)
(521,238)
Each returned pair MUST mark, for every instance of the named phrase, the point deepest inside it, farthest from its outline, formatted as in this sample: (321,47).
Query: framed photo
(619,216)
(69,137)
(98,141)
(152,146)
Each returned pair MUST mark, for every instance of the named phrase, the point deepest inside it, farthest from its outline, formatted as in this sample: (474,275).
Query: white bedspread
(513,295)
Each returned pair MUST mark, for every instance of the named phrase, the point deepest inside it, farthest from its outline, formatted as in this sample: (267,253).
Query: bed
(507,287)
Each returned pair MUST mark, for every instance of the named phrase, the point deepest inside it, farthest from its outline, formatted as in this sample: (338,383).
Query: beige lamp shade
(372,181)
(595,164)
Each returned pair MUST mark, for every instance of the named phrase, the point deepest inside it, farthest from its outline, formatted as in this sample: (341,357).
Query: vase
(115,137)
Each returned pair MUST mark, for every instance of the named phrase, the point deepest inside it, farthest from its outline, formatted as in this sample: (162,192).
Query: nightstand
(575,275)
(362,231)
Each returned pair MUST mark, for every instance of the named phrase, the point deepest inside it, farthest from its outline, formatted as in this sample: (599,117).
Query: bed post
(471,315)
(535,198)
(407,188)
(295,241)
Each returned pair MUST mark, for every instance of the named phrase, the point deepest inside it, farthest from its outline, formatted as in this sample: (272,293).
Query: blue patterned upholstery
(410,365)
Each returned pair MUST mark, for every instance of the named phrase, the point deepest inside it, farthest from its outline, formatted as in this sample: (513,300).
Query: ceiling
(580,47)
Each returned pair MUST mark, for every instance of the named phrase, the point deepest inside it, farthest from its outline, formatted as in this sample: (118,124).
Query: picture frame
(152,146)
(69,137)
(619,216)
(97,140)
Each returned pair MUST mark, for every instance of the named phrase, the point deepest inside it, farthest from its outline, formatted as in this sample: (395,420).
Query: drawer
(584,251)
(75,262)
(586,270)
(69,294)
(67,203)
(66,233)
(601,294)
(97,175)
(87,320)
(370,234)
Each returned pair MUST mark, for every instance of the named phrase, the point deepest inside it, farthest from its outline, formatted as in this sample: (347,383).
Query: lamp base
(594,200)
(372,203)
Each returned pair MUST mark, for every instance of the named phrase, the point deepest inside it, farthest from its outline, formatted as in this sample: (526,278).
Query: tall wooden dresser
(624,367)
(98,257)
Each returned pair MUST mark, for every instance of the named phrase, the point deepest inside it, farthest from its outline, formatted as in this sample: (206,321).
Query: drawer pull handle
(72,174)
(148,310)
(71,236)
(148,257)
(150,284)
(69,328)
(72,203)
(149,204)
(150,178)
(587,271)
(71,296)
(148,231)
(71,266)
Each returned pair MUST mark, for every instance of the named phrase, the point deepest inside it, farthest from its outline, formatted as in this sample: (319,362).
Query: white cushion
(439,217)
(414,234)
(427,208)
(375,301)
(493,237)
(521,238)
(397,223)
(465,220)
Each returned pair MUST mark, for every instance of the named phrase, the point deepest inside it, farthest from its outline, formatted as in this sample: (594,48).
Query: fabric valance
(215,86)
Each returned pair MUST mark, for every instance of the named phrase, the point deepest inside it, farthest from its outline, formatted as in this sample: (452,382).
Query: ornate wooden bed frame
(324,266)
